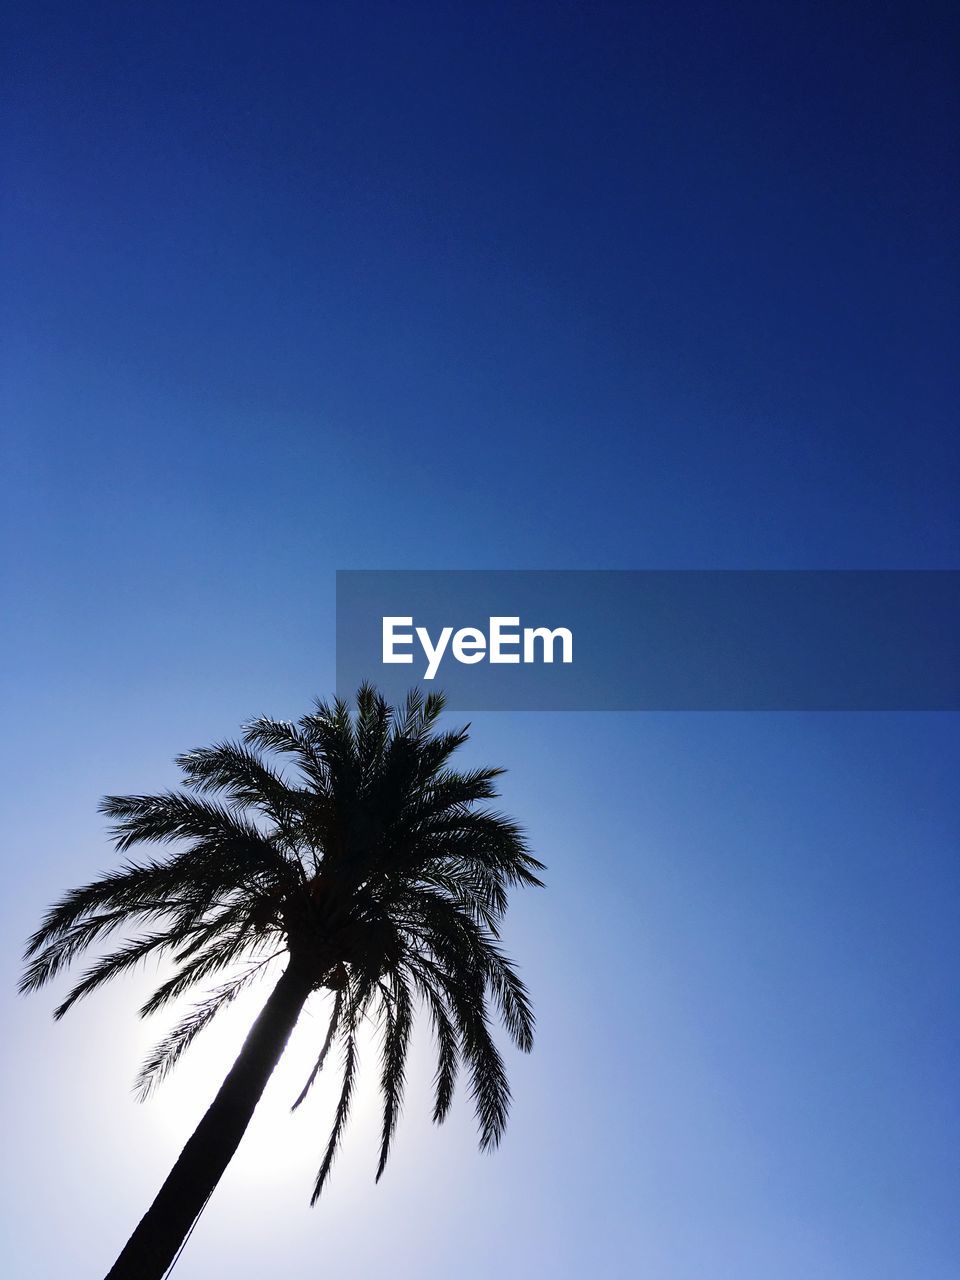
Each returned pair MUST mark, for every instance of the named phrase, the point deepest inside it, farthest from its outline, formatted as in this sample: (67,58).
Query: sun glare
(181,1100)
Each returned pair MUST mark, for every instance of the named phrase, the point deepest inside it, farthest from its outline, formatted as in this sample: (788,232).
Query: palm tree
(374,870)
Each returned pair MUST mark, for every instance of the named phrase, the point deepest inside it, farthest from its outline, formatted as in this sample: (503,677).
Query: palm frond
(165,1056)
(204,964)
(343,1110)
(285,739)
(445,1036)
(511,995)
(74,940)
(398,1015)
(111,966)
(332,1029)
(489,1087)
(240,772)
(133,887)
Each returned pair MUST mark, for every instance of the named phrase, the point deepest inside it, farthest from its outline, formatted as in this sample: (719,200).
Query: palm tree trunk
(153,1246)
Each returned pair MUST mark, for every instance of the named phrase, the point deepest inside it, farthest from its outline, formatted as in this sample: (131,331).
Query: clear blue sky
(294,288)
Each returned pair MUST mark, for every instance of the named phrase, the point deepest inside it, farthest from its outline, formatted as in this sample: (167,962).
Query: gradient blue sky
(294,288)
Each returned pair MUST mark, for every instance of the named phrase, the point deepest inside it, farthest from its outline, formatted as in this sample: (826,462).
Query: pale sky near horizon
(521,286)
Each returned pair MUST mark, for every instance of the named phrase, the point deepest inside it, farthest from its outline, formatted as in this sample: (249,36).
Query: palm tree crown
(373,866)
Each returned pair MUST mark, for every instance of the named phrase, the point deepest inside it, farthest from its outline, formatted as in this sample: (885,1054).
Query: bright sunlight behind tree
(372,867)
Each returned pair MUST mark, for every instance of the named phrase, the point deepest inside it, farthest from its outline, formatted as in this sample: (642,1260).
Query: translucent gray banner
(667,640)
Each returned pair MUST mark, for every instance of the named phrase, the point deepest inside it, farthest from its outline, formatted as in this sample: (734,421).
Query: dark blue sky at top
(294,288)
(692,263)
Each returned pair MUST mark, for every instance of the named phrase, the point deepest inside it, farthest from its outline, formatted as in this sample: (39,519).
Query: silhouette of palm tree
(374,869)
